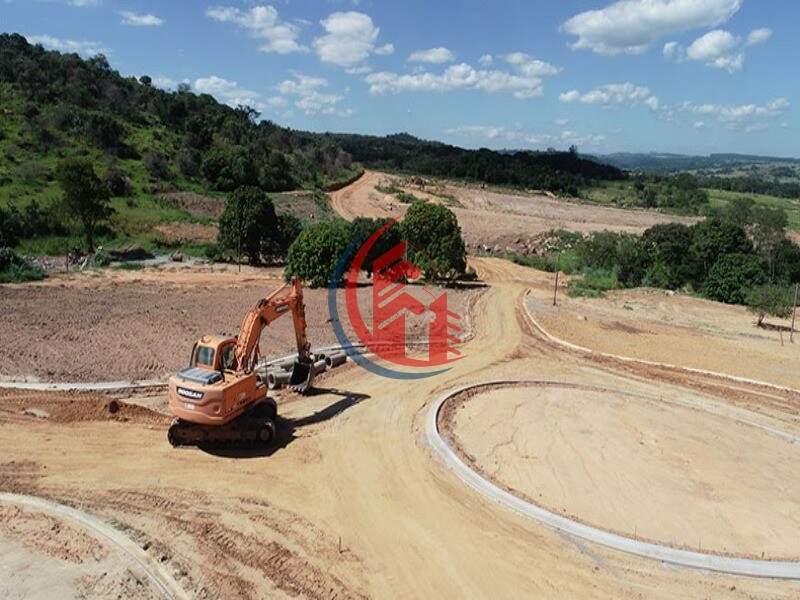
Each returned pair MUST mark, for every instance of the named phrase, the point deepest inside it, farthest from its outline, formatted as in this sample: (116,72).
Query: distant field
(792,207)
(620,193)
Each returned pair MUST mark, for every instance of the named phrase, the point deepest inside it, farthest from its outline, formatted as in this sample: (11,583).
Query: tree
(288,228)
(86,197)
(434,240)
(248,223)
(713,238)
(316,252)
(767,229)
(732,276)
(363,227)
(667,246)
(773,300)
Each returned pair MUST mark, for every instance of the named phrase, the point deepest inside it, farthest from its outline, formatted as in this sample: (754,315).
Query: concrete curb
(155,572)
(666,554)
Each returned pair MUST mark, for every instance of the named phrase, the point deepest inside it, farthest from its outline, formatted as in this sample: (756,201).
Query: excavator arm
(287,298)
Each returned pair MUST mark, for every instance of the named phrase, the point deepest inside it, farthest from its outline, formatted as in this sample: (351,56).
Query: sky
(684,76)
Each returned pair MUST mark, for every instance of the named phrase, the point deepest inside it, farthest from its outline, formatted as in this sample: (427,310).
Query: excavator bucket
(302,377)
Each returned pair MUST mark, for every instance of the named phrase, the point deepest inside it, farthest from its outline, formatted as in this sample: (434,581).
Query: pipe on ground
(335,360)
(277,379)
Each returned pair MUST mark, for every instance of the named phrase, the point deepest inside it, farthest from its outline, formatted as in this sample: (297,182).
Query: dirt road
(352,465)
(490,218)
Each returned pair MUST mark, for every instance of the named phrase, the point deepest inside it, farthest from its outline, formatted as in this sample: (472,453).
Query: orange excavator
(220,398)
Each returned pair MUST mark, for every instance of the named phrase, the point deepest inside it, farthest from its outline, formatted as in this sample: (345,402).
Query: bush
(434,239)
(732,276)
(593,283)
(13,268)
(773,300)
(157,166)
(248,223)
(118,184)
(316,252)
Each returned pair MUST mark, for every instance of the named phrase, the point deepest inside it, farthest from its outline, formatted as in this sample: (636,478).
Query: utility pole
(555,290)
(794,312)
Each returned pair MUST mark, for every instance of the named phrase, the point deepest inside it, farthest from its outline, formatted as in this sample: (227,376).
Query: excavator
(220,398)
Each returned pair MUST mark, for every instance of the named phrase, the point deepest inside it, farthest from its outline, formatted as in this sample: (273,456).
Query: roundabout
(627,471)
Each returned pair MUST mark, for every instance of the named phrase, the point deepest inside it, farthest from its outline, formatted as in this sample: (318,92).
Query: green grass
(594,283)
(20,273)
(566,261)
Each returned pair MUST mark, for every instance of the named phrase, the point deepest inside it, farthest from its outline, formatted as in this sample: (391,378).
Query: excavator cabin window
(204,356)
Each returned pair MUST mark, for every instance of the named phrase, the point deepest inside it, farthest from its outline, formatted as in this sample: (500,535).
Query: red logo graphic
(392,302)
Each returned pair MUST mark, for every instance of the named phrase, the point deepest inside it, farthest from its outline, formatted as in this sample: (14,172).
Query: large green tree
(773,300)
(712,239)
(434,240)
(316,252)
(248,223)
(732,277)
(86,197)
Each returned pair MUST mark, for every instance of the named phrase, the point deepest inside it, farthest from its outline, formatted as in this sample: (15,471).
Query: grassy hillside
(145,143)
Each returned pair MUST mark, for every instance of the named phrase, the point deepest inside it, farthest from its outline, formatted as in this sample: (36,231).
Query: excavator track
(253,428)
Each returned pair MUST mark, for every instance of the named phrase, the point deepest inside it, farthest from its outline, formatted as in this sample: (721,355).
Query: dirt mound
(73,407)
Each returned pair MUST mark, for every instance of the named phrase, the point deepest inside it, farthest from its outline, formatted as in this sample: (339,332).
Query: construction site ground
(351,501)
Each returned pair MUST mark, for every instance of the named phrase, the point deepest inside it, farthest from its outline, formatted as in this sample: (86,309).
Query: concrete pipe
(319,367)
(335,360)
(277,379)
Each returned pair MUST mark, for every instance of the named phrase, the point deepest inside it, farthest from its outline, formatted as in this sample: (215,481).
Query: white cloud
(228,92)
(167,83)
(569,96)
(674,51)
(614,94)
(561,122)
(717,49)
(309,97)
(699,125)
(261,22)
(631,26)
(526,82)
(138,20)
(530,66)
(486,60)
(759,36)
(83,3)
(749,117)
(385,50)
(435,56)
(349,39)
(519,138)
(82,47)
(456,77)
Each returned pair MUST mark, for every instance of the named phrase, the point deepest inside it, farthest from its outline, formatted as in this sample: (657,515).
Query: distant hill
(555,171)
(670,163)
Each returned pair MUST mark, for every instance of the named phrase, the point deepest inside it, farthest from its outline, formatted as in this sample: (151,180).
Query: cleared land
(490,218)
(351,502)
(127,325)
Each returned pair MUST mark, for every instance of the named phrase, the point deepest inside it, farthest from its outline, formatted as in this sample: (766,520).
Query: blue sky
(688,76)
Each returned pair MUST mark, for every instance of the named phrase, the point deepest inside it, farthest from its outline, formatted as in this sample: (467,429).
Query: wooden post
(555,290)
(794,313)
